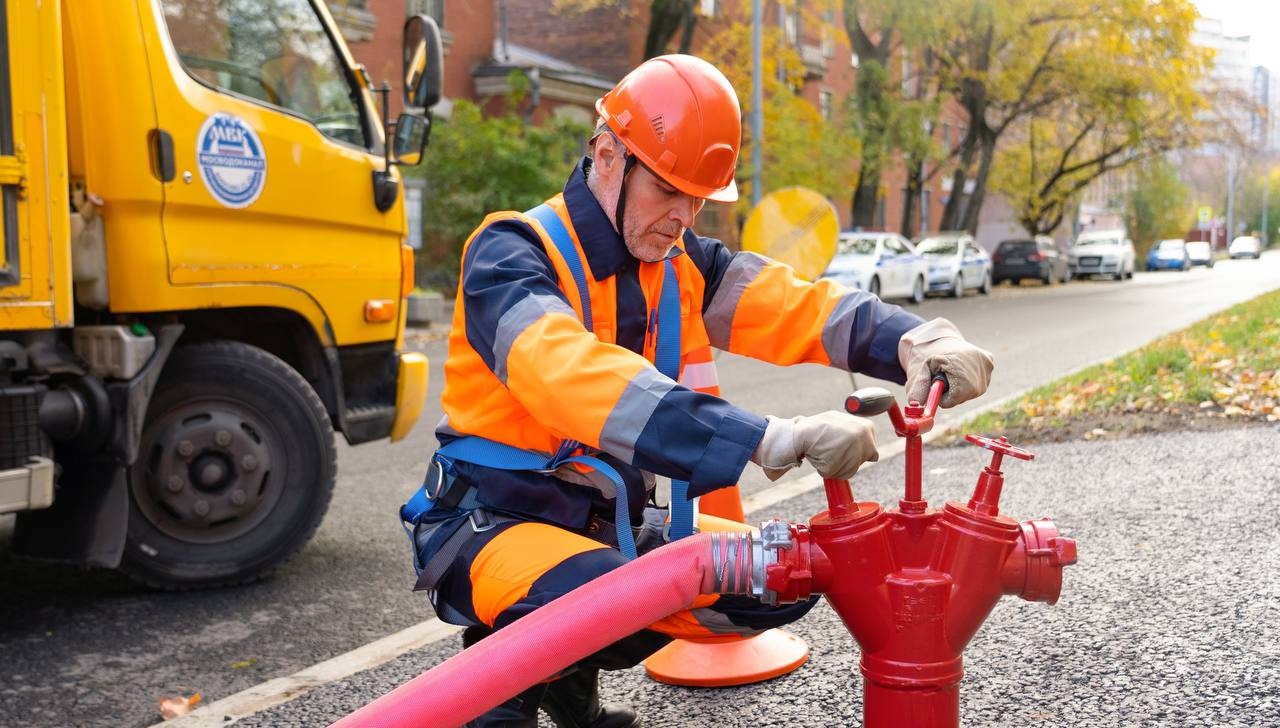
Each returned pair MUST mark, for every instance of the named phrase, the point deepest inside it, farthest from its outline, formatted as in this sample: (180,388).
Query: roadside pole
(757,105)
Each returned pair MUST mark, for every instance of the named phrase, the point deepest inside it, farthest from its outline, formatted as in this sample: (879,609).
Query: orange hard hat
(680,118)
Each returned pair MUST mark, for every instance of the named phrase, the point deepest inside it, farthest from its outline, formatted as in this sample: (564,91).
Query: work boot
(518,712)
(573,701)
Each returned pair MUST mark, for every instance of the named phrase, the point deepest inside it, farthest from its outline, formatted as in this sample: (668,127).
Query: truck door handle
(162,164)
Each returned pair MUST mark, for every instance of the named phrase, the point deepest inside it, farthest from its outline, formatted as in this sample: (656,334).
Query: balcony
(354,19)
(815,62)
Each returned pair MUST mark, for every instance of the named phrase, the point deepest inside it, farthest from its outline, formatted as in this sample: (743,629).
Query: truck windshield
(273,51)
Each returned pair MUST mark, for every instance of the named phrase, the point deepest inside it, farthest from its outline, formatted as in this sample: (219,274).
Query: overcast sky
(1259,19)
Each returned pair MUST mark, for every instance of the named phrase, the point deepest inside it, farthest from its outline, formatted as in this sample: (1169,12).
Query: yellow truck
(203,276)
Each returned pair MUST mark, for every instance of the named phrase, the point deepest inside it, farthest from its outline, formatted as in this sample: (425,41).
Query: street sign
(796,226)
(1204,216)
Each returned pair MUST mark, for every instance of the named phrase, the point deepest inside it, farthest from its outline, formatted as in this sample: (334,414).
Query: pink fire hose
(557,635)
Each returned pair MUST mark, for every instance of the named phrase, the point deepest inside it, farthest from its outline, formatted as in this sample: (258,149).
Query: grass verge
(1218,372)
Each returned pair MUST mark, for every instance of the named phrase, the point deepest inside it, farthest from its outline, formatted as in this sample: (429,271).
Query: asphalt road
(1168,619)
(89,648)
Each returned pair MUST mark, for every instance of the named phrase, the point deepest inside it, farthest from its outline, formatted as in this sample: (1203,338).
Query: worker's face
(656,215)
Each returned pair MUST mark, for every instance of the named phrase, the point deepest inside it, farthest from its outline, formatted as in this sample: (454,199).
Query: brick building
(576,57)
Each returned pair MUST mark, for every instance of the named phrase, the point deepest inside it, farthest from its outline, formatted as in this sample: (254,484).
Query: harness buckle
(480,521)
(434,482)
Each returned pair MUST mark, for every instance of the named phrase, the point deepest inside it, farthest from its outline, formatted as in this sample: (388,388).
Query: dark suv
(1035,257)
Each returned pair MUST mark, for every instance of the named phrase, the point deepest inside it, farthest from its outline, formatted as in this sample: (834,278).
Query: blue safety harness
(481,451)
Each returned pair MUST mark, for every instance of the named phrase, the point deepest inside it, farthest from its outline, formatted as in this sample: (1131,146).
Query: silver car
(956,263)
(1102,253)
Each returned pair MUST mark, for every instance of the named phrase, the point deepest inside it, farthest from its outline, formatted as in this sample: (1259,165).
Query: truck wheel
(234,473)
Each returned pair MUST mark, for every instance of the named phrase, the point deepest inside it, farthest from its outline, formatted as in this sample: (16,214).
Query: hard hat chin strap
(627,166)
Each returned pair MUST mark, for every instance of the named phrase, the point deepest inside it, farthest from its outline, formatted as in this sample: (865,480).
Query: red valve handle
(1000,445)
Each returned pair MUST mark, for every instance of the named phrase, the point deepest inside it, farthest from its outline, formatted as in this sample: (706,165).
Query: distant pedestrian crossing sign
(1204,216)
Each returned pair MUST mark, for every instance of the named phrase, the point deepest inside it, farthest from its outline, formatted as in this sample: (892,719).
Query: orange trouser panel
(537,556)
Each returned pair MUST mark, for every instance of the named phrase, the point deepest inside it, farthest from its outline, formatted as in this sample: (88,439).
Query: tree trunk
(865,196)
(974,206)
(915,172)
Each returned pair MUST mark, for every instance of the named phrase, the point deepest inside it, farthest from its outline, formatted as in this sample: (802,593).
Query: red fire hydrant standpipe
(913,584)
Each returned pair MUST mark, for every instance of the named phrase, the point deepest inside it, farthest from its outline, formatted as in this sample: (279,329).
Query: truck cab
(204,277)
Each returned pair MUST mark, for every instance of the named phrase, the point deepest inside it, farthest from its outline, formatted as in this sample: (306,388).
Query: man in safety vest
(580,365)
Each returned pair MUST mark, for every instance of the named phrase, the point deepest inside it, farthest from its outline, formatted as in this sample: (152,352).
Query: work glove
(936,347)
(835,443)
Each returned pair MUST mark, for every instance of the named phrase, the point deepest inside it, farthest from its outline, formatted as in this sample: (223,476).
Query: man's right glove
(936,347)
(834,442)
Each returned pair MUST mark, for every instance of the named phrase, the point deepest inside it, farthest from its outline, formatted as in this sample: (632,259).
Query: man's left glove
(936,347)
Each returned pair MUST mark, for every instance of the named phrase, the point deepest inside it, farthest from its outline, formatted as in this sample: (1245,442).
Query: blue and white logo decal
(232,162)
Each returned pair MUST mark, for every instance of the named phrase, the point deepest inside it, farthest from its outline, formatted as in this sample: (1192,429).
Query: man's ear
(608,156)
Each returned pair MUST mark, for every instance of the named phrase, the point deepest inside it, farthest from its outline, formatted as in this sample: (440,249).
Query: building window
(709,8)
(828,33)
(790,24)
(432,8)
(825,104)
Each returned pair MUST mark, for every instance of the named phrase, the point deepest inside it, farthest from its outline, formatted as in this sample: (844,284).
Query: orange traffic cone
(734,662)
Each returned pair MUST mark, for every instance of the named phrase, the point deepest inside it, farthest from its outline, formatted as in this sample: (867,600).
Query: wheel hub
(204,473)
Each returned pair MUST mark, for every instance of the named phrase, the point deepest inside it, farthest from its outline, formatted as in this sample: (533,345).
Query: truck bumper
(411,393)
(27,488)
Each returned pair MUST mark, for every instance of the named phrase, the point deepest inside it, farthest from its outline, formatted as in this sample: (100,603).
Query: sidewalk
(1168,619)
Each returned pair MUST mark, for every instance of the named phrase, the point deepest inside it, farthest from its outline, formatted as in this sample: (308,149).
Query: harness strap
(501,456)
(555,228)
(442,559)
(667,360)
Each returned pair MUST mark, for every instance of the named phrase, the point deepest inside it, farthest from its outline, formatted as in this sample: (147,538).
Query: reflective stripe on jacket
(523,370)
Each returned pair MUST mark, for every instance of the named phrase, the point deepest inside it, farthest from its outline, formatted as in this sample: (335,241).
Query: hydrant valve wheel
(1001,445)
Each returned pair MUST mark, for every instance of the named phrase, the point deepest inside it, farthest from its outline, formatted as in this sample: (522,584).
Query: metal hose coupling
(731,556)
(783,568)
(772,564)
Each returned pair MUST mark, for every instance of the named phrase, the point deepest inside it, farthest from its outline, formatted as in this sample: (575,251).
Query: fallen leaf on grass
(174,706)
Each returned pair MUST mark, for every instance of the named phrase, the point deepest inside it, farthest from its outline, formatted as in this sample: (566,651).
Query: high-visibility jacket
(523,370)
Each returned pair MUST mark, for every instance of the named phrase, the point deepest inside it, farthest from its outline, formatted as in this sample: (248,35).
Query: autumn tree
(1156,206)
(799,146)
(1123,92)
(888,112)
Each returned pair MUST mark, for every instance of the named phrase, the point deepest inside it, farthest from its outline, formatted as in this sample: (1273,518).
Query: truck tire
(235,470)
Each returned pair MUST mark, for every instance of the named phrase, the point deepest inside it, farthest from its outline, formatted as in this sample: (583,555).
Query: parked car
(956,263)
(1200,254)
(884,264)
(1102,252)
(1169,255)
(1036,257)
(1245,246)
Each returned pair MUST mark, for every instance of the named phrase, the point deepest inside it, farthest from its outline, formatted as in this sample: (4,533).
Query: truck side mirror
(423,63)
(411,139)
